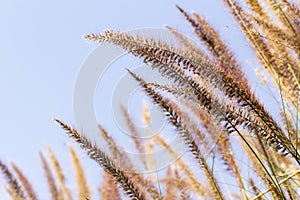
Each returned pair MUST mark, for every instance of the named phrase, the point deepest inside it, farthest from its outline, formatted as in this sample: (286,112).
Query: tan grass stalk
(150,159)
(170,186)
(255,189)
(14,187)
(133,130)
(188,95)
(145,114)
(187,44)
(229,158)
(12,194)
(64,191)
(104,161)
(82,185)
(258,9)
(124,162)
(56,166)
(50,179)
(182,186)
(193,182)
(108,189)
(116,150)
(25,183)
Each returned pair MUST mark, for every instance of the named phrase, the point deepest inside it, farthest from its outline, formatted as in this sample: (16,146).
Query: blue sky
(42,49)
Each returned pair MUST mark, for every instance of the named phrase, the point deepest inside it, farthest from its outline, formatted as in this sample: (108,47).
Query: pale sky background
(41,51)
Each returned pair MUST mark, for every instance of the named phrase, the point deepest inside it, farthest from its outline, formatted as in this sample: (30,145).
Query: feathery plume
(64,191)
(50,179)
(108,189)
(82,185)
(25,183)
(104,161)
(14,187)
(125,163)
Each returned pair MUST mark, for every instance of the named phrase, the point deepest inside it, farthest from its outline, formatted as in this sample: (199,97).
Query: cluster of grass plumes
(213,82)
(210,102)
(19,187)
